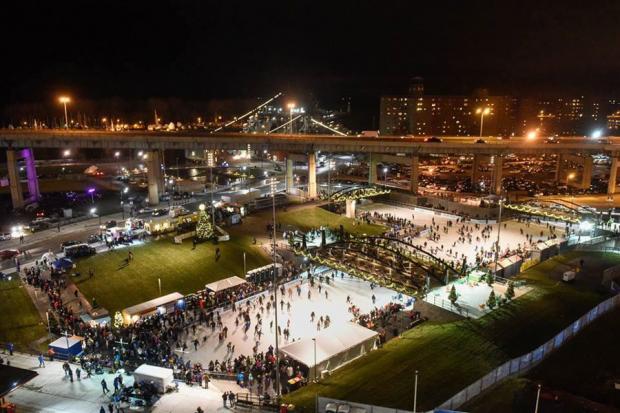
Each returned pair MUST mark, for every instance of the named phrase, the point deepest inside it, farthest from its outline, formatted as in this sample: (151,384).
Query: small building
(161,305)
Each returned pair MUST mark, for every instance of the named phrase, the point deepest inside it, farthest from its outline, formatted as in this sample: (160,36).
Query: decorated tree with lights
(118,320)
(204,228)
(453,296)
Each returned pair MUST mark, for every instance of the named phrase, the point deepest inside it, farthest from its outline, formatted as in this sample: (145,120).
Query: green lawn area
(180,268)
(19,320)
(309,218)
(450,356)
(592,354)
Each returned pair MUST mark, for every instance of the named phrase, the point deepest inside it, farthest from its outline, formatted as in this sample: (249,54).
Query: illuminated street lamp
(91,191)
(93,212)
(385,171)
(66,153)
(290,107)
(597,134)
(64,100)
(124,191)
(482,112)
(531,135)
(117,154)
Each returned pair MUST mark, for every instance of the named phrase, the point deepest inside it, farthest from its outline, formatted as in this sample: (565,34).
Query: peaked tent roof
(329,342)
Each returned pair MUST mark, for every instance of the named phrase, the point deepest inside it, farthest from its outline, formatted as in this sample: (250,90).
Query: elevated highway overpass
(202,140)
(396,149)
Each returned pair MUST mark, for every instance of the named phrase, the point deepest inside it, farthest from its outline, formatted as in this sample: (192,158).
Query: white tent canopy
(334,347)
(225,283)
(133,313)
(159,376)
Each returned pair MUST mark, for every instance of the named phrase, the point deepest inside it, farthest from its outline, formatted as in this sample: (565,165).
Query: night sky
(204,50)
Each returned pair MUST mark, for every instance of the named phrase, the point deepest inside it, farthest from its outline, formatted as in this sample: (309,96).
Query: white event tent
(225,283)
(335,347)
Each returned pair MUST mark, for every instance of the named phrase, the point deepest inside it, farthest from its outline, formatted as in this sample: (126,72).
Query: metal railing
(523,363)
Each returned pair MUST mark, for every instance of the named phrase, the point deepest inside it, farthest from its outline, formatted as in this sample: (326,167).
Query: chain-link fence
(521,364)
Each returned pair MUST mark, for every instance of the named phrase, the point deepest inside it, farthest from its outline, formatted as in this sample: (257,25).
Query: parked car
(39,226)
(69,243)
(433,139)
(5,236)
(159,212)
(79,250)
(8,254)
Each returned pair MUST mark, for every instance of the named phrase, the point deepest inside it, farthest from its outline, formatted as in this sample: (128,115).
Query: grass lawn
(313,217)
(450,356)
(179,267)
(19,320)
(592,354)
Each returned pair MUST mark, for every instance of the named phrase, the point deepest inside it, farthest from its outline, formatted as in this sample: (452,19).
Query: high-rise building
(565,116)
(424,115)
(456,115)
(613,122)
(394,117)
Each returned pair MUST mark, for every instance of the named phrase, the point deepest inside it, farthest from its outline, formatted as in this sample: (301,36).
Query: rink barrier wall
(523,363)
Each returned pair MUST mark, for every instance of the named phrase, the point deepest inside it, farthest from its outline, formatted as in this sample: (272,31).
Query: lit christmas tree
(118,320)
(204,228)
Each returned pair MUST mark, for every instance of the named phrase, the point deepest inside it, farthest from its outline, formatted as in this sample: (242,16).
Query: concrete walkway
(52,392)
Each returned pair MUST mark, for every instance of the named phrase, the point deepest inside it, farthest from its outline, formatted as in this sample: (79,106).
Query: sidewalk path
(51,392)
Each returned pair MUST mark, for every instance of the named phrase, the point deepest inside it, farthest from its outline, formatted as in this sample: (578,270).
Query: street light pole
(290,106)
(329,183)
(275,288)
(482,112)
(537,399)
(123,191)
(499,230)
(415,393)
(314,340)
(64,100)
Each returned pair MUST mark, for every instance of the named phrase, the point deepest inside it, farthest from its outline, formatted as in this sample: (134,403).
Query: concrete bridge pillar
(475,169)
(31,172)
(312,189)
(415,174)
(586,174)
(17,198)
(372,169)
(350,208)
(613,177)
(154,176)
(558,168)
(289,175)
(498,175)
